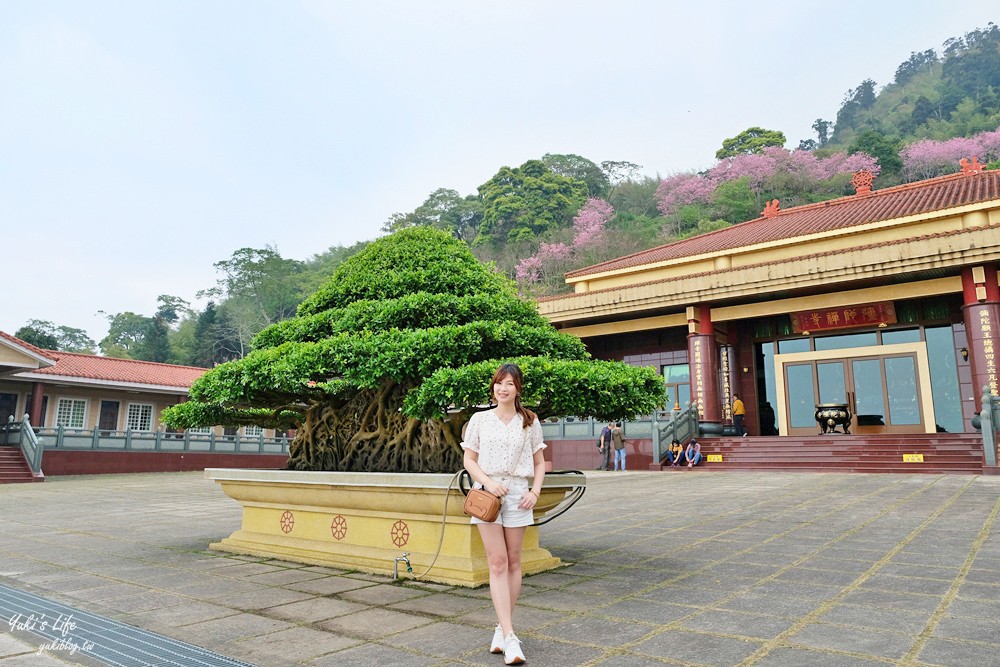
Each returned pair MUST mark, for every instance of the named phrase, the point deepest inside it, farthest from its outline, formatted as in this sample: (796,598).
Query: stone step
(942,452)
(13,468)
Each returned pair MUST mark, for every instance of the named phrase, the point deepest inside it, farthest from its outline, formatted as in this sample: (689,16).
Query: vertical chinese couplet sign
(696,375)
(987,335)
(726,358)
(822,319)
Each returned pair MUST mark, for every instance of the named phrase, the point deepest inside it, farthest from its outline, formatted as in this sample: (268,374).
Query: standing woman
(503,454)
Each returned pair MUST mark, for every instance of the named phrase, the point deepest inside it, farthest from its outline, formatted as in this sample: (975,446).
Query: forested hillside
(560,212)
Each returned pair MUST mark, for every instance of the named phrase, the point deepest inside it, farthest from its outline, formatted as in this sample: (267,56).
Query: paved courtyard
(674,568)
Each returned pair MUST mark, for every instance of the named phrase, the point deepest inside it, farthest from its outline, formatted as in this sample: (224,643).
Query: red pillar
(36,405)
(981,311)
(703,356)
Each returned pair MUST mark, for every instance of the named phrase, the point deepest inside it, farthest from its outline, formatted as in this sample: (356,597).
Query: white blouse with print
(497,444)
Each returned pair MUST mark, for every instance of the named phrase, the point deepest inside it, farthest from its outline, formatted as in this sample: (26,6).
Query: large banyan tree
(383,365)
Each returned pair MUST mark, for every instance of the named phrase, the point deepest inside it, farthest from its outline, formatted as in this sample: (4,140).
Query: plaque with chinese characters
(824,319)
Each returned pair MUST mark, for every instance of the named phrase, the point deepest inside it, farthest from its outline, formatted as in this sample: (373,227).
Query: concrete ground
(671,568)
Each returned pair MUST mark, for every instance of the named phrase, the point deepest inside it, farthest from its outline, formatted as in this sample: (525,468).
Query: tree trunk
(370,434)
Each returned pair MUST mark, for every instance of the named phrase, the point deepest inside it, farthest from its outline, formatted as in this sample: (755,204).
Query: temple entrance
(886,388)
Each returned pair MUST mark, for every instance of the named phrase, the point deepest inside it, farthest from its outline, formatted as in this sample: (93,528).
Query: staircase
(13,467)
(960,453)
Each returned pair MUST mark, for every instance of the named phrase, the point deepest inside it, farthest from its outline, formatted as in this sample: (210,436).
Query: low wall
(583,454)
(560,455)
(84,462)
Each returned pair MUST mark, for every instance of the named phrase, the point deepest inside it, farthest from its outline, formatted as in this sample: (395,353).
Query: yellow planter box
(363,521)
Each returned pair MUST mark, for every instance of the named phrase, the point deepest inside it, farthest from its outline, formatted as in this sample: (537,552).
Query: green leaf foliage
(749,141)
(552,387)
(410,261)
(363,371)
(527,201)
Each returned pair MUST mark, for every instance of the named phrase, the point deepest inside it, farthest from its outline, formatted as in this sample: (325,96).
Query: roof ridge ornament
(770,209)
(970,167)
(862,182)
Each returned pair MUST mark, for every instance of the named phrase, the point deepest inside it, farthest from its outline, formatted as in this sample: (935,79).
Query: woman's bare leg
(513,538)
(494,540)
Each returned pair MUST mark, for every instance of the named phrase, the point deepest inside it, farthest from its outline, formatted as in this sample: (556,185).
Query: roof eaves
(45,357)
(97,382)
(622,265)
(870,246)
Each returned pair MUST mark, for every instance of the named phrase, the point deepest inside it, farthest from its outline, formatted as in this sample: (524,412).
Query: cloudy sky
(140,142)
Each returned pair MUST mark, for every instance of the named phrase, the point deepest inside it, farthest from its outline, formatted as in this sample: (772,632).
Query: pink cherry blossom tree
(552,258)
(683,189)
(927,158)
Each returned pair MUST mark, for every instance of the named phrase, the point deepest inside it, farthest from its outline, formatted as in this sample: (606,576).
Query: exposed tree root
(370,434)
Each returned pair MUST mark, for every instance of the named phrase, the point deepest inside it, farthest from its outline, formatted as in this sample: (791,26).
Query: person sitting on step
(675,453)
(692,454)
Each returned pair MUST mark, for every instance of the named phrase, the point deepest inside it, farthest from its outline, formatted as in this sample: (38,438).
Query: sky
(141,142)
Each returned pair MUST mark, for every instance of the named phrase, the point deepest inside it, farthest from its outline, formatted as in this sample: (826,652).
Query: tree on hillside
(271,284)
(851,115)
(48,336)
(385,364)
(735,188)
(885,149)
(928,158)
(581,169)
(40,333)
(618,172)
(822,128)
(916,63)
(524,202)
(444,209)
(549,263)
(126,335)
(972,63)
(750,141)
(134,336)
(635,196)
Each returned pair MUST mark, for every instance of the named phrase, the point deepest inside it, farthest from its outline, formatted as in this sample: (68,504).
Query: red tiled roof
(825,253)
(108,369)
(48,354)
(935,194)
(129,371)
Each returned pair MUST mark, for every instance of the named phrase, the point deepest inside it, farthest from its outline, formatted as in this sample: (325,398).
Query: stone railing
(67,439)
(27,440)
(660,427)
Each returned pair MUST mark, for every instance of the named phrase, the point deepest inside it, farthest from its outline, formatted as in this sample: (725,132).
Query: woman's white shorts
(511,516)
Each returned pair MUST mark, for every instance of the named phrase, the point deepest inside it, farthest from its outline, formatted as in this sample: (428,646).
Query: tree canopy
(524,202)
(750,141)
(385,363)
(581,169)
(48,336)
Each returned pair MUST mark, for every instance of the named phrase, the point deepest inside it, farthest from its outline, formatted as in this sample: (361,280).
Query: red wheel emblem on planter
(400,533)
(338,527)
(287,522)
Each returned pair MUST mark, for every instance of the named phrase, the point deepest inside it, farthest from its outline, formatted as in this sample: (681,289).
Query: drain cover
(67,632)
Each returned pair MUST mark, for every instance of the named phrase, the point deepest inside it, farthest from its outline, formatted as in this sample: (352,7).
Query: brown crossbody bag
(482,504)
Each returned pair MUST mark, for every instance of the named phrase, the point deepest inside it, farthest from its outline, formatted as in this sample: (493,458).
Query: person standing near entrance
(618,436)
(739,415)
(604,447)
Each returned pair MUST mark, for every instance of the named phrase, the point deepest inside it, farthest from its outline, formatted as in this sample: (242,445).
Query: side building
(100,414)
(886,302)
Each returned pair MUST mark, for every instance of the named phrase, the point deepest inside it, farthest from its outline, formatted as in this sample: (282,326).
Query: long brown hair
(513,370)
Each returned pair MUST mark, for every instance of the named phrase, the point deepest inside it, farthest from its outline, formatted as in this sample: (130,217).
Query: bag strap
(464,480)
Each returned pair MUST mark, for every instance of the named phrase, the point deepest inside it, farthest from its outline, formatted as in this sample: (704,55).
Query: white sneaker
(512,653)
(496,646)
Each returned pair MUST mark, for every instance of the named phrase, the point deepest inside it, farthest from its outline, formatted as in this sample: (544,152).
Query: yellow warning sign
(913,458)
(714,458)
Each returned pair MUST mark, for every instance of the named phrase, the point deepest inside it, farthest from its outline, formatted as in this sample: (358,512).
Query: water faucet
(395,565)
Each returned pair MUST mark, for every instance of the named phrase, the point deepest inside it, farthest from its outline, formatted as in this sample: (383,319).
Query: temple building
(886,302)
